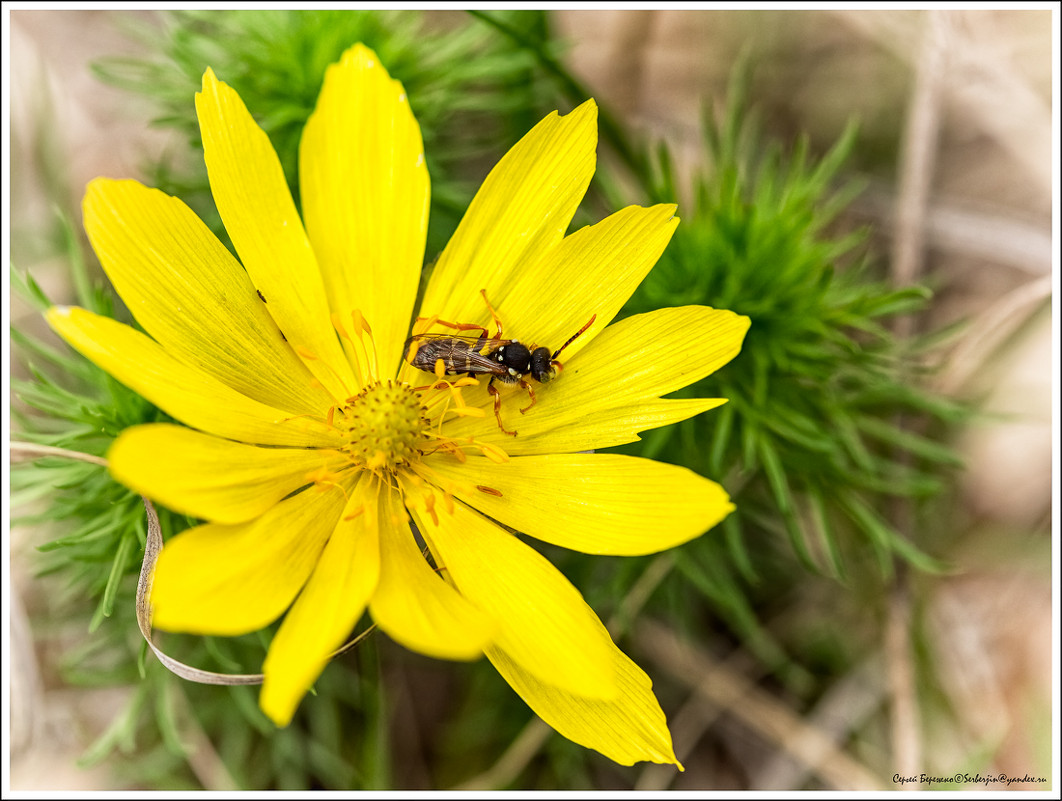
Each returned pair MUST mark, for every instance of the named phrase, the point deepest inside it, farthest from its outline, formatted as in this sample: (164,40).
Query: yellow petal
(365,194)
(414,605)
(254,201)
(183,392)
(609,427)
(627,729)
(627,366)
(601,266)
(192,296)
(596,503)
(327,609)
(522,210)
(232,579)
(212,478)
(545,625)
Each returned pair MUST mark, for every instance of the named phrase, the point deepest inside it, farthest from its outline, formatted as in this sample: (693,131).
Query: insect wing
(437,336)
(472,361)
(459,354)
(418,346)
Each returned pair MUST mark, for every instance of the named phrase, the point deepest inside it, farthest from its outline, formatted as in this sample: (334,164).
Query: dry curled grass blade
(152,549)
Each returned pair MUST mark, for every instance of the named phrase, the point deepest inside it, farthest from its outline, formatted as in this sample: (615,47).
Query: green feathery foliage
(472,92)
(815,443)
(811,437)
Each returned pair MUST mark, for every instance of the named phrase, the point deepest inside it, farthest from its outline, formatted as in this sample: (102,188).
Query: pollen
(384,426)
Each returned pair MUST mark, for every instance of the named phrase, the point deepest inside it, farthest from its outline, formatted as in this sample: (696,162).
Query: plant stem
(610,128)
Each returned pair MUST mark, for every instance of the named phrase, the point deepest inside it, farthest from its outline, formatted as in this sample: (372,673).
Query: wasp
(506,360)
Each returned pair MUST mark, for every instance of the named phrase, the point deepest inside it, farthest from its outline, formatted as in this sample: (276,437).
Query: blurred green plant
(812,437)
(810,432)
(472,93)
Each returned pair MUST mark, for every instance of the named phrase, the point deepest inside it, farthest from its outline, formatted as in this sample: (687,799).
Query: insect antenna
(575,336)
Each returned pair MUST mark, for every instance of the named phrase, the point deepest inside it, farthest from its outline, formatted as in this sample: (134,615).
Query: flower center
(389,427)
(383,425)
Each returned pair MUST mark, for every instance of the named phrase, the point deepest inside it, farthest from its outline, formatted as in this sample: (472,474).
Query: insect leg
(531,392)
(493,314)
(459,326)
(493,390)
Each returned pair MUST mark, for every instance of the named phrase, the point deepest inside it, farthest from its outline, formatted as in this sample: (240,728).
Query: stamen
(311,417)
(493,452)
(461,409)
(361,325)
(361,355)
(489,490)
(308,356)
(363,330)
(469,411)
(429,507)
(422,324)
(421,486)
(337,323)
(454,446)
(323,479)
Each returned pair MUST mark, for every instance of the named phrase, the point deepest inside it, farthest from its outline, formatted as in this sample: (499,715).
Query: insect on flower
(507,360)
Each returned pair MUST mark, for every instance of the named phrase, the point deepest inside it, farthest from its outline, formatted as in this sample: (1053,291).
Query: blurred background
(804,646)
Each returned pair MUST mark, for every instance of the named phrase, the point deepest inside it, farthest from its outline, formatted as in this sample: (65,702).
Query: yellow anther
(429,507)
(358,513)
(468,411)
(493,452)
(337,323)
(422,325)
(322,475)
(323,479)
(361,325)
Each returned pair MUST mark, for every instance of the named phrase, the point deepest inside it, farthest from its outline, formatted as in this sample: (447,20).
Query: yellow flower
(311,440)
